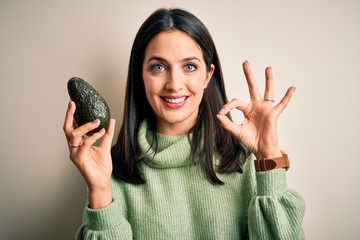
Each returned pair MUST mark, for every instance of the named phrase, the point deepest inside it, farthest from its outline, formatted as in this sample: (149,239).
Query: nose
(175,81)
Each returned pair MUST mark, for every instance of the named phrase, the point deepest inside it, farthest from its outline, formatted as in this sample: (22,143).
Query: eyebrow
(157,58)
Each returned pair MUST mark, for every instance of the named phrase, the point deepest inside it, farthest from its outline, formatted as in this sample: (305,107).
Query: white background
(313,45)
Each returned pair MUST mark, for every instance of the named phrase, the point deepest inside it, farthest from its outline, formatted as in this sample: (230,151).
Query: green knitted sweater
(179,202)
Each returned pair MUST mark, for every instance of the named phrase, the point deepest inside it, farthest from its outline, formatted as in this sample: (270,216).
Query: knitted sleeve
(276,211)
(106,223)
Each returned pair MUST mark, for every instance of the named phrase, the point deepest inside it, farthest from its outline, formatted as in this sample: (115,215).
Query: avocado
(90,105)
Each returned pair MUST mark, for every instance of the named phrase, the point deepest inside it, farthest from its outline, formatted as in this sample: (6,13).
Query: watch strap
(267,164)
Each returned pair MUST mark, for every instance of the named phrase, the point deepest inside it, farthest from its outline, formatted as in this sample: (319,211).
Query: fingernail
(95,121)
(222,111)
(69,104)
(102,130)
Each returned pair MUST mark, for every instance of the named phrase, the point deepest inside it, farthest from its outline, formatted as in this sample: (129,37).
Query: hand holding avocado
(90,105)
(94,162)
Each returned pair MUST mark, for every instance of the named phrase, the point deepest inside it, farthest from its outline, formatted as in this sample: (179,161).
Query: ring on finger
(75,146)
(269,100)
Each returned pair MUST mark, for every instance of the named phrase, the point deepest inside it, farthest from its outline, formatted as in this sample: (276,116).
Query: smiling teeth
(175,100)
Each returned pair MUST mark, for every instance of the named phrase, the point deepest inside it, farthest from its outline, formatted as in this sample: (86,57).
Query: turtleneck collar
(171,152)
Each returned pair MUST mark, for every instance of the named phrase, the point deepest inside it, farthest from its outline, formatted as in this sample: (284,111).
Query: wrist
(273,153)
(100,198)
(266,164)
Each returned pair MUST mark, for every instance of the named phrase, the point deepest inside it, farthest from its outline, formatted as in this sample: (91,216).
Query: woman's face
(175,76)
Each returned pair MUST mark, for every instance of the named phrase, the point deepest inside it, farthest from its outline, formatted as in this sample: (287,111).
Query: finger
(78,133)
(107,140)
(229,125)
(234,103)
(285,100)
(269,85)
(252,85)
(69,120)
(89,141)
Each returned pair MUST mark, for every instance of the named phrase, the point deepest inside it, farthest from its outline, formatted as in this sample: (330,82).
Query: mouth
(174,102)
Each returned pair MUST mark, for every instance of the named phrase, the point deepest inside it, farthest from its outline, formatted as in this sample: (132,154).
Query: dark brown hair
(217,142)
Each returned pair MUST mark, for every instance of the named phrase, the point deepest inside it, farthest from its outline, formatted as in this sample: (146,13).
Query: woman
(181,169)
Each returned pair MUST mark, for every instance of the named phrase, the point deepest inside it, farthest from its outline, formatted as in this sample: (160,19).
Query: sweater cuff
(104,218)
(271,182)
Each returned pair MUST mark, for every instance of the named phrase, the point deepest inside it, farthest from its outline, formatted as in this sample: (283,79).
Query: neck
(173,129)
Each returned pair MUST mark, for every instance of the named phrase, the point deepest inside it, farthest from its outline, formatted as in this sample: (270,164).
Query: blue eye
(190,67)
(157,68)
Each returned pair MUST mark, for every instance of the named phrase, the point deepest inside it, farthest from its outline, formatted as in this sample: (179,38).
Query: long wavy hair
(210,143)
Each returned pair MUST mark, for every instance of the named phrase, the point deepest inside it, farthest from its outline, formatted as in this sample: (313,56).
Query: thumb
(107,140)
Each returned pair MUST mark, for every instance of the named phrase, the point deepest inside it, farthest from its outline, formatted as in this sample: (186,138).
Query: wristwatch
(267,164)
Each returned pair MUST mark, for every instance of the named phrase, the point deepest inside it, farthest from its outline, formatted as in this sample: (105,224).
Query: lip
(174,102)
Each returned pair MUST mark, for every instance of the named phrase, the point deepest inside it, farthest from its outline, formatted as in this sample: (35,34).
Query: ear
(209,75)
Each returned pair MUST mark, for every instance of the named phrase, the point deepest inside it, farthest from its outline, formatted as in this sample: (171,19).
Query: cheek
(198,86)
(148,92)
(151,91)
(150,88)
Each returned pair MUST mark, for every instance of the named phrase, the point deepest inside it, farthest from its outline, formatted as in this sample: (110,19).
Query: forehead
(174,43)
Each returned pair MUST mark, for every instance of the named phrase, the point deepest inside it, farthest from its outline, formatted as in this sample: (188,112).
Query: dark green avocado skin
(90,105)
